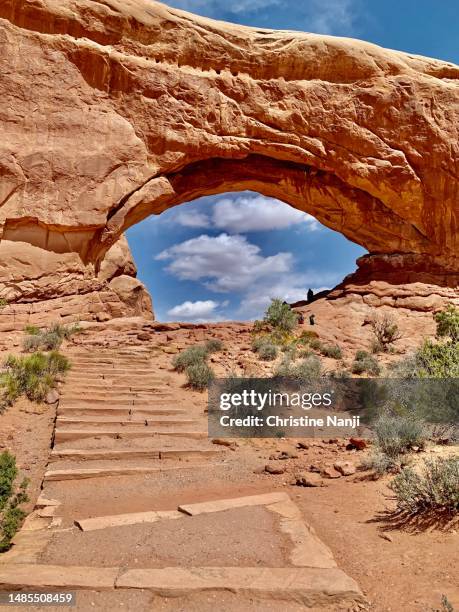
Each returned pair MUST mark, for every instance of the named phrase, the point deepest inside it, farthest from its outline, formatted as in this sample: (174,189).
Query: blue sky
(223,257)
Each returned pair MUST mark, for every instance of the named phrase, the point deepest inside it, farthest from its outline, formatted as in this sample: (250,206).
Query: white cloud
(214,7)
(258,213)
(321,16)
(195,310)
(291,288)
(191,218)
(223,263)
(331,16)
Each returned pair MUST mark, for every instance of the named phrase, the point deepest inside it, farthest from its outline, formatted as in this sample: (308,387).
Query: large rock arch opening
(114,110)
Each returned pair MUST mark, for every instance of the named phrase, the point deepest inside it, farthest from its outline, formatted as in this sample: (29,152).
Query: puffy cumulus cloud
(223,263)
(258,213)
(192,218)
(196,311)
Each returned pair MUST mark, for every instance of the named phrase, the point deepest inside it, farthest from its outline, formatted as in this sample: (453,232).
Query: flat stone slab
(81,474)
(20,576)
(219,505)
(92,455)
(120,520)
(309,586)
(78,434)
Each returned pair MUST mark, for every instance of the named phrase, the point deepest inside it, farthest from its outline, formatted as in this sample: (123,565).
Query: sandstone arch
(116,109)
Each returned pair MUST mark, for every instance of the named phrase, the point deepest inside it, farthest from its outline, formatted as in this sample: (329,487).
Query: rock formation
(113,110)
(40,285)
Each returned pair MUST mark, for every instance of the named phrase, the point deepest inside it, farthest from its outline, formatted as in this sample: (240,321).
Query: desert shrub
(333,351)
(446,605)
(267,351)
(307,368)
(199,375)
(340,373)
(307,336)
(11,498)
(304,353)
(193,355)
(3,303)
(31,375)
(284,368)
(260,341)
(448,323)
(385,332)
(365,363)
(396,435)
(434,488)
(280,316)
(380,463)
(431,360)
(214,345)
(315,344)
(48,339)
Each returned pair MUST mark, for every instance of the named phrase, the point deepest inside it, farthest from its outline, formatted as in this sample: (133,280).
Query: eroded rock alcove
(113,110)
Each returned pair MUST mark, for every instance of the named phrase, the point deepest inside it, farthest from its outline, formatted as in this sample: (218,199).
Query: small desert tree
(448,323)
(385,332)
(280,316)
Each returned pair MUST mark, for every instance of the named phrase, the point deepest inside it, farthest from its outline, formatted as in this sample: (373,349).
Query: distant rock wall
(41,286)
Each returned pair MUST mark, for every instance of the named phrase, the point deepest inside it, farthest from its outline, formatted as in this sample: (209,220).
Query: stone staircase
(128,453)
(118,416)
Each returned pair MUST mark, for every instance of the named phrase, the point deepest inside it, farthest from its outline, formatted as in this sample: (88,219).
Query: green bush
(396,435)
(307,336)
(448,323)
(3,303)
(303,370)
(48,339)
(434,488)
(385,332)
(431,360)
(8,474)
(214,345)
(365,363)
(380,463)
(11,498)
(32,375)
(199,375)
(268,352)
(281,316)
(307,368)
(333,351)
(315,344)
(190,356)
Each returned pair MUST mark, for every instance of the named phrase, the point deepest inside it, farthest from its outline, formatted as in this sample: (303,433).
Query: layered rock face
(41,286)
(113,110)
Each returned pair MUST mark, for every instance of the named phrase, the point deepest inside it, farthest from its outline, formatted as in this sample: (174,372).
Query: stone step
(74,454)
(67,435)
(122,520)
(114,387)
(107,472)
(311,587)
(132,371)
(113,396)
(119,411)
(95,422)
(126,378)
(132,401)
